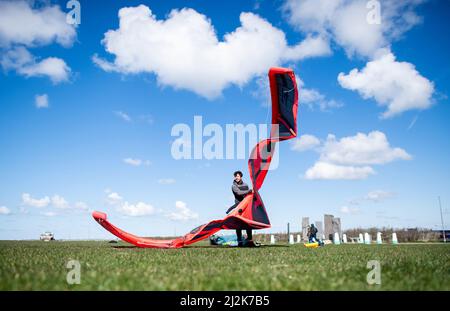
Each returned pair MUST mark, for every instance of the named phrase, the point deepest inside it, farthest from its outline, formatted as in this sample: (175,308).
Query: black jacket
(240,190)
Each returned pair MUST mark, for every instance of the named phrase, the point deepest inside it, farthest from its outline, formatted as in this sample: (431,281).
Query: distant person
(312,234)
(240,190)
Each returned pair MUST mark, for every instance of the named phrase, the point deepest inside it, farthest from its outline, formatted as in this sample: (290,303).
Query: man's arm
(238,191)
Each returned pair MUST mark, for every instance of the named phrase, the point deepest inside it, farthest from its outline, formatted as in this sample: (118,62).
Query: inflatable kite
(250,213)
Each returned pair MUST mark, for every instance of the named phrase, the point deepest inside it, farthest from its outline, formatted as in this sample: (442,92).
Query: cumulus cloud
(305,142)
(55,201)
(138,209)
(354,24)
(313,98)
(41,101)
(352,157)
(113,198)
(24,63)
(59,202)
(21,24)
(28,200)
(200,61)
(325,170)
(4,210)
(182,212)
(361,149)
(396,85)
(128,209)
(23,27)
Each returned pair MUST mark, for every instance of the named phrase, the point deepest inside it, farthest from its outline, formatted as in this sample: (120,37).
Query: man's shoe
(250,243)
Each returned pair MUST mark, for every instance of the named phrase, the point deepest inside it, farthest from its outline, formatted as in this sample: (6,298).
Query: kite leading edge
(250,213)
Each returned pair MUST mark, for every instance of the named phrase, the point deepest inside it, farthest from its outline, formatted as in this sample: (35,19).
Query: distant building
(305,224)
(319,226)
(328,221)
(337,226)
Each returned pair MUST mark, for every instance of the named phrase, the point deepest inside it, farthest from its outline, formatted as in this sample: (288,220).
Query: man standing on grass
(240,190)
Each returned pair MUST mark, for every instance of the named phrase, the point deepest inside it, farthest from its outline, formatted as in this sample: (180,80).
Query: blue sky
(100,137)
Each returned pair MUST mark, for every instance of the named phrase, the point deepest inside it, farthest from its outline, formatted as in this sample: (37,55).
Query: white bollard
(336,241)
(272,239)
(361,239)
(344,238)
(366,238)
(379,239)
(394,238)
(291,239)
(299,238)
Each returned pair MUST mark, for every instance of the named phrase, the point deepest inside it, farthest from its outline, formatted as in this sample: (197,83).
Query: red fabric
(250,213)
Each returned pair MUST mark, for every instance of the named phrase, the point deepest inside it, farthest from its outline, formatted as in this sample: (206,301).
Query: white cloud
(379,195)
(352,157)
(28,200)
(182,212)
(361,149)
(312,98)
(199,62)
(126,208)
(114,198)
(305,142)
(21,60)
(138,209)
(23,27)
(324,170)
(21,24)
(349,210)
(166,181)
(4,210)
(346,22)
(41,101)
(59,202)
(123,115)
(396,85)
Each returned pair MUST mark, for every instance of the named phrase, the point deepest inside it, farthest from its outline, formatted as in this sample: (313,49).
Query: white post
(361,239)
(394,238)
(299,238)
(337,241)
(366,238)
(379,240)
(344,238)
(291,239)
(272,239)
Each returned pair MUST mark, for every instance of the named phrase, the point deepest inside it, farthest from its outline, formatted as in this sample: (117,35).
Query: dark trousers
(239,234)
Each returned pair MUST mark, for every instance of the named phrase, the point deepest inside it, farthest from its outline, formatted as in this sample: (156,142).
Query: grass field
(38,265)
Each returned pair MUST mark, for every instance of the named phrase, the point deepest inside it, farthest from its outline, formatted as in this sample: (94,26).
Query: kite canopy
(250,213)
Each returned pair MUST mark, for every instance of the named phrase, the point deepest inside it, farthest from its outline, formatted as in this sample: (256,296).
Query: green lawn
(42,266)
